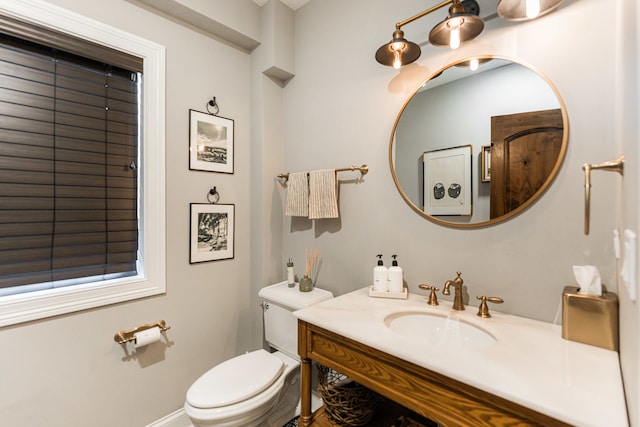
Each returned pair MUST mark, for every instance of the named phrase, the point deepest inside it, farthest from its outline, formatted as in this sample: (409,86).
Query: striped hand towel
(297,195)
(323,194)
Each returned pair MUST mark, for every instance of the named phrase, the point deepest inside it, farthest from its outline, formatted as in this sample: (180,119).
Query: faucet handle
(433,298)
(483,309)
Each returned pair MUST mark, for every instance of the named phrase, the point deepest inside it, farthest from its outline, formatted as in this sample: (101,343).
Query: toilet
(258,388)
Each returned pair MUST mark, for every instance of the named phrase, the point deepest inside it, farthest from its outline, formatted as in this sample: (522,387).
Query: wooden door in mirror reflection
(524,150)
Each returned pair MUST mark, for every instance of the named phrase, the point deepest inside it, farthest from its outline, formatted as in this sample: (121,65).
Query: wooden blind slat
(25,191)
(25,138)
(31,203)
(25,177)
(12,56)
(21,273)
(15,97)
(20,124)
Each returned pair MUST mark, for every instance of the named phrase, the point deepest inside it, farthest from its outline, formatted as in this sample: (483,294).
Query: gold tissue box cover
(590,319)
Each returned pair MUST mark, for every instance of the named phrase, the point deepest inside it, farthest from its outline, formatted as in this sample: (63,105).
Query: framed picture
(447,181)
(486,163)
(210,142)
(212,232)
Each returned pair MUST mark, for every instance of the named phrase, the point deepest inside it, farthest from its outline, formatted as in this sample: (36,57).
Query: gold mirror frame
(534,197)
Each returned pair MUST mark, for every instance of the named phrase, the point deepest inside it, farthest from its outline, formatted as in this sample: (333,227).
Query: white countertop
(530,364)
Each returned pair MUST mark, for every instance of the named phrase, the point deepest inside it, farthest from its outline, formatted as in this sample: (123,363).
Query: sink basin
(441,331)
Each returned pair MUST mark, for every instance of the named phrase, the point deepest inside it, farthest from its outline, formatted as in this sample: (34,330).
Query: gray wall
(68,371)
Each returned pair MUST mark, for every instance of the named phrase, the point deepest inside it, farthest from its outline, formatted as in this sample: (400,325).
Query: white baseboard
(180,419)
(175,419)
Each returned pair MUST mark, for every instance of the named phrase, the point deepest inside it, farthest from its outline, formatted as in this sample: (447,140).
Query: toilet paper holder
(125,336)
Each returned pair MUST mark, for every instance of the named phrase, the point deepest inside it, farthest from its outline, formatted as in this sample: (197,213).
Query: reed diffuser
(306,284)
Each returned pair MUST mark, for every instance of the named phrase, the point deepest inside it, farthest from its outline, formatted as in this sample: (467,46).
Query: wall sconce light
(462,24)
(523,10)
(399,51)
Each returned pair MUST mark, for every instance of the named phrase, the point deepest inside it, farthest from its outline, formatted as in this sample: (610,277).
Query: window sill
(53,302)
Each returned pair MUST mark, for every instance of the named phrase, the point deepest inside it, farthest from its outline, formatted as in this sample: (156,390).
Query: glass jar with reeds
(306,283)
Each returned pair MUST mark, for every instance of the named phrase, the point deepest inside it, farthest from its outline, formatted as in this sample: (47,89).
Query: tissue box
(590,319)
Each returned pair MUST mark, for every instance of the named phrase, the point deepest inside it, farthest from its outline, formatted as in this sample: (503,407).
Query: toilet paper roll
(147,336)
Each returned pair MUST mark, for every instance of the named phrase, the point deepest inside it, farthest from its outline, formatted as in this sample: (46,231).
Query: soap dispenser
(396,283)
(380,276)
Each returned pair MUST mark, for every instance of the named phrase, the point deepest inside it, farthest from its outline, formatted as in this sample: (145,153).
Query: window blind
(68,166)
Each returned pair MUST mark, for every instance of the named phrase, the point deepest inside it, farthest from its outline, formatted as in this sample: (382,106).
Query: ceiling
(293,4)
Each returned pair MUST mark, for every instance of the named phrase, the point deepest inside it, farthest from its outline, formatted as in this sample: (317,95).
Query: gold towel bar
(363,171)
(125,336)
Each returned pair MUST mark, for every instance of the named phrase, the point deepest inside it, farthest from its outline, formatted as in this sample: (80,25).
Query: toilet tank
(279,303)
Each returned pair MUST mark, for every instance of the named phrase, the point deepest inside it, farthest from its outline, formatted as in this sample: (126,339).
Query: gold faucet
(457,298)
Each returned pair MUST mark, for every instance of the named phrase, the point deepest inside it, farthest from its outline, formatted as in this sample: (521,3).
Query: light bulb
(532,8)
(454,37)
(473,64)
(397,62)
(397,46)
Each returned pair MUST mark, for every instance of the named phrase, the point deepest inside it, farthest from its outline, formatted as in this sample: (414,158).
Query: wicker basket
(346,403)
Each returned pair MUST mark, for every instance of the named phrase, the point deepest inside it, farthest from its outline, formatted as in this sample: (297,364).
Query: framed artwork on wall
(210,142)
(447,181)
(486,163)
(212,232)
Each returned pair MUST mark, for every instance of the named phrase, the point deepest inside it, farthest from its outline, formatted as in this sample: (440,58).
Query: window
(81,177)
(68,163)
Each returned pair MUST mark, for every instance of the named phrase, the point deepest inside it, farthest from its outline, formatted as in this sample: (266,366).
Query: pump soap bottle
(380,276)
(396,283)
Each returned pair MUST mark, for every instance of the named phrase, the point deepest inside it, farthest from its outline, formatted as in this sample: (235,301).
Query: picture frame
(211,142)
(212,232)
(447,181)
(485,167)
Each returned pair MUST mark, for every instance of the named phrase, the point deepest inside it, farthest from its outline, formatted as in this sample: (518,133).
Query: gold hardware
(612,165)
(125,336)
(363,171)
(483,309)
(458,304)
(433,298)
(590,319)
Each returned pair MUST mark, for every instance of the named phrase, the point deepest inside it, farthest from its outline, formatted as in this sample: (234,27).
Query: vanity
(459,369)
(452,366)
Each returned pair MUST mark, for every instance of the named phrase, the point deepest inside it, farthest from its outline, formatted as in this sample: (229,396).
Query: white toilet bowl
(254,389)
(257,388)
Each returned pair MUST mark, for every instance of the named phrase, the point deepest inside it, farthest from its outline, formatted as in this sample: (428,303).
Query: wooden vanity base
(430,394)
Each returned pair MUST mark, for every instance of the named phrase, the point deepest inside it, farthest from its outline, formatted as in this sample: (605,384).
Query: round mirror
(478,142)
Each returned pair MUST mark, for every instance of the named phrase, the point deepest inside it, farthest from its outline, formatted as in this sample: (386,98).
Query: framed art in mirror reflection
(447,181)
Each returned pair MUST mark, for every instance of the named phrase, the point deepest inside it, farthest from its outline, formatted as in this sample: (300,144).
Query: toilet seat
(235,380)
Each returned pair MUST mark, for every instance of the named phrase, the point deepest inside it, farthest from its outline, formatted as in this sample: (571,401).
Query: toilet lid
(235,380)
